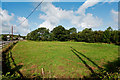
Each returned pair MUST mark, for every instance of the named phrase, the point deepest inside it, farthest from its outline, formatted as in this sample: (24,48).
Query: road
(3,43)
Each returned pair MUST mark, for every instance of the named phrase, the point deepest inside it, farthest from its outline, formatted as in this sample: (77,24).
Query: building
(8,38)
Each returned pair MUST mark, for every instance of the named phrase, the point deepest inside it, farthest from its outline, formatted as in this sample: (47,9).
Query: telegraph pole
(12,33)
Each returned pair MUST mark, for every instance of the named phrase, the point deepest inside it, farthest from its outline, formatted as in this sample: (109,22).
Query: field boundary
(6,63)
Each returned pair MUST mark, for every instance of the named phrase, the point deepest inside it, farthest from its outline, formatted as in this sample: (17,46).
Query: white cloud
(54,0)
(88,21)
(111,0)
(87,4)
(5,19)
(90,3)
(5,22)
(46,0)
(54,15)
(25,23)
(23,29)
(47,24)
(114,15)
(73,0)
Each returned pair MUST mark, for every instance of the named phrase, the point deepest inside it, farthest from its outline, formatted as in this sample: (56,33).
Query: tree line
(59,33)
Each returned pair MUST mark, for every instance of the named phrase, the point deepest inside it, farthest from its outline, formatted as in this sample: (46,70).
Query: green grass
(58,60)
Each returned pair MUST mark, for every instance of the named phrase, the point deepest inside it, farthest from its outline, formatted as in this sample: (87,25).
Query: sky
(97,15)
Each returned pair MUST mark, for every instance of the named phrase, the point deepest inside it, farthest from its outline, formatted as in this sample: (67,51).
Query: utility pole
(12,33)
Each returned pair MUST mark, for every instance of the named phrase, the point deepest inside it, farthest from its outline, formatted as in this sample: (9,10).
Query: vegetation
(8,73)
(87,35)
(70,59)
(66,59)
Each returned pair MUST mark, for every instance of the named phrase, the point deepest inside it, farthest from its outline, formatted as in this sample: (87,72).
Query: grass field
(58,60)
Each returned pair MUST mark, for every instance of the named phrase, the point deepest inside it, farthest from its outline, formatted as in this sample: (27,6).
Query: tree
(73,30)
(115,37)
(79,37)
(19,35)
(87,35)
(98,36)
(107,35)
(60,33)
(43,33)
(39,34)
(73,33)
(4,37)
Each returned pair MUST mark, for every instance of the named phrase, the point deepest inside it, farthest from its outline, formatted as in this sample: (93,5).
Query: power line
(31,12)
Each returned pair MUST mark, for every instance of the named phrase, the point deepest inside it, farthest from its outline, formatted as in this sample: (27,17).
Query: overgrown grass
(58,60)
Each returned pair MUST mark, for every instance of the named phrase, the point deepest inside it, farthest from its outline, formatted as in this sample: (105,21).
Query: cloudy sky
(97,15)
